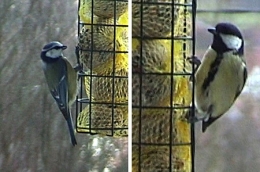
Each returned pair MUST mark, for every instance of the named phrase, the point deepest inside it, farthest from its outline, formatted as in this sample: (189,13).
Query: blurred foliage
(229,4)
(245,20)
(33,132)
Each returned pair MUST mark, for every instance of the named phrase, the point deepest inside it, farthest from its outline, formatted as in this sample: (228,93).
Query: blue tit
(221,75)
(61,78)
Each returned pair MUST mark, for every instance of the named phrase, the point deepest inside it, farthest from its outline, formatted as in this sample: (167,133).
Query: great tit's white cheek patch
(54,53)
(231,41)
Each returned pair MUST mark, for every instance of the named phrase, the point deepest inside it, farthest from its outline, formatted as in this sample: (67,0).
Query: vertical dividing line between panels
(130,109)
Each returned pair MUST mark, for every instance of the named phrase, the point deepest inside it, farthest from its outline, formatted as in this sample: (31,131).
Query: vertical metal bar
(114,68)
(130,75)
(172,89)
(91,63)
(140,91)
(78,103)
(194,8)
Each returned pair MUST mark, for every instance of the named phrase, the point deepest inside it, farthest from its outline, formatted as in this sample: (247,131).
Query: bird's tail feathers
(71,130)
(68,118)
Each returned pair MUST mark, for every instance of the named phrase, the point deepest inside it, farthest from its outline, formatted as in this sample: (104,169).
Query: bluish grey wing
(60,94)
(60,91)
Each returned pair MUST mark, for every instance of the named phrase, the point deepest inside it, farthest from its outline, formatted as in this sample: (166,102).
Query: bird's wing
(241,86)
(60,90)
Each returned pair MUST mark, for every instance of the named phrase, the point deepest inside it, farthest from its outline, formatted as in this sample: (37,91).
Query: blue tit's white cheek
(231,41)
(54,53)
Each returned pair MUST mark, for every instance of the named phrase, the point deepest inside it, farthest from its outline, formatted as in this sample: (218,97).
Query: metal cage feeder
(163,38)
(102,105)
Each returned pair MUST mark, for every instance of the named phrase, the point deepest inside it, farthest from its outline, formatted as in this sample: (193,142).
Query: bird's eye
(56,48)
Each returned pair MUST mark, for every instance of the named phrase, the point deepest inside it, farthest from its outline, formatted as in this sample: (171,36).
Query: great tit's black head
(52,51)
(227,29)
(227,37)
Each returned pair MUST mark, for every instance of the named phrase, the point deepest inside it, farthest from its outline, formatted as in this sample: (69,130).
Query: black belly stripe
(213,70)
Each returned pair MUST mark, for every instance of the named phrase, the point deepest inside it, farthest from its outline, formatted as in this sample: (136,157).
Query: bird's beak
(64,47)
(213,31)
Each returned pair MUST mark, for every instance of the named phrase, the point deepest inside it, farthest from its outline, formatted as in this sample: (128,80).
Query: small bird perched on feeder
(221,76)
(61,78)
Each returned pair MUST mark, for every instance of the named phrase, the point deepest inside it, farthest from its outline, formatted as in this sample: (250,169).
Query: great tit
(221,75)
(61,78)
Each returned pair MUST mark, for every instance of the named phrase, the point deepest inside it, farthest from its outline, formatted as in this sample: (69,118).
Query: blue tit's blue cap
(54,45)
